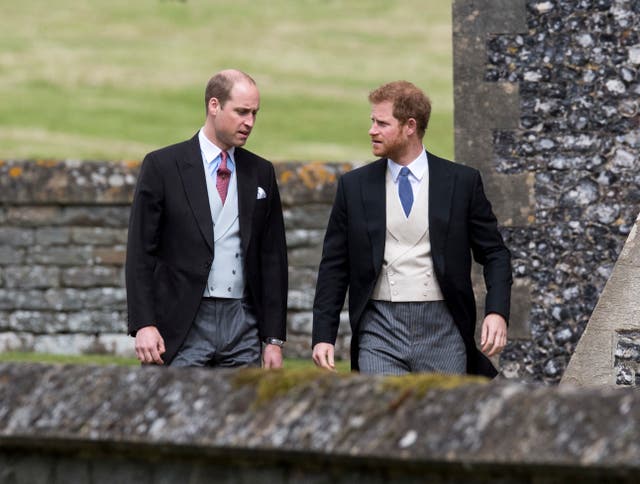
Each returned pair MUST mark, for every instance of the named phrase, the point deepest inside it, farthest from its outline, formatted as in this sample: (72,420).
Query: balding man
(206,268)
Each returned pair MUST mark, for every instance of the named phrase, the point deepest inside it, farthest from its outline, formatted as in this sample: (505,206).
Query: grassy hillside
(114,79)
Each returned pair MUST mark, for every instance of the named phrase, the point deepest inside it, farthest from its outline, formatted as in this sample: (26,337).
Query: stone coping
(112,182)
(415,420)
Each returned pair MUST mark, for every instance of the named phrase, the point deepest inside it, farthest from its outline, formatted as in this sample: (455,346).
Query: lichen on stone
(270,384)
(420,383)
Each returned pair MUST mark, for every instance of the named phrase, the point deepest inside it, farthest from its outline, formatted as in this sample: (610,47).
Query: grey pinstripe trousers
(408,337)
(223,334)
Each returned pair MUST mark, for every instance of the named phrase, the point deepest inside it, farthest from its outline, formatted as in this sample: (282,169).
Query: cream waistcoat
(407,270)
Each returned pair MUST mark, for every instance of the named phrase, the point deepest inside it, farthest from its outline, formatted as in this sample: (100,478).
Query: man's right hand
(149,345)
(323,356)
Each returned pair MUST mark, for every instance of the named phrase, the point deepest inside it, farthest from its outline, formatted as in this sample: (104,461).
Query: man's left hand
(272,356)
(494,334)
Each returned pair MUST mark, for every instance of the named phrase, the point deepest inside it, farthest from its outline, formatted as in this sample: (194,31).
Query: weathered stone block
(97,322)
(53,235)
(304,238)
(31,277)
(64,344)
(118,343)
(306,256)
(105,298)
(11,255)
(29,299)
(300,300)
(33,216)
(14,341)
(109,256)
(91,276)
(59,255)
(307,217)
(99,235)
(302,277)
(303,183)
(95,216)
(300,322)
(17,237)
(67,182)
(37,322)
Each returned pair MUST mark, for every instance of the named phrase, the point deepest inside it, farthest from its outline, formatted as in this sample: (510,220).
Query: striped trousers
(224,334)
(396,338)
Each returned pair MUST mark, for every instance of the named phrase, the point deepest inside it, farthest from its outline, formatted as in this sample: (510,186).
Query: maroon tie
(222,180)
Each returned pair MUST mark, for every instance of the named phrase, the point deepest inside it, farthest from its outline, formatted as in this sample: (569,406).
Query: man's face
(388,138)
(233,122)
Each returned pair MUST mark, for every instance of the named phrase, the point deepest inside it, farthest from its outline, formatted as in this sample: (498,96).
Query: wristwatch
(274,341)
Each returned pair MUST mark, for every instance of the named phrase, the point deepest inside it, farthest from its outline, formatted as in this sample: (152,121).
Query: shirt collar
(211,153)
(418,167)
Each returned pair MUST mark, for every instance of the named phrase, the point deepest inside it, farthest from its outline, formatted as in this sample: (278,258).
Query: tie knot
(223,169)
(404,171)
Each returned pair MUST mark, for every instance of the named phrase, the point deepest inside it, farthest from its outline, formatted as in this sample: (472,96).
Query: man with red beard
(400,239)
(206,268)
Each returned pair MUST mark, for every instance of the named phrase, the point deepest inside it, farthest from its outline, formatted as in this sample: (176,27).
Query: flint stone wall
(154,425)
(546,106)
(63,232)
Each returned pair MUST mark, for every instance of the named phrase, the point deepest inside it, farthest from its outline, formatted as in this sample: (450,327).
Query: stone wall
(62,424)
(63,230)
(546,106)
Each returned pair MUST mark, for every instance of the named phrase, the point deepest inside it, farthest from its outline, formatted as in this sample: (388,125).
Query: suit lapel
(247,191)
(374,201)
(195,187)
(441,184)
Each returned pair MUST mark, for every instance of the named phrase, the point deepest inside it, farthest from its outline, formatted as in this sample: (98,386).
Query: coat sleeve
(489,250)
(274,267)
(142,244)
(333,273)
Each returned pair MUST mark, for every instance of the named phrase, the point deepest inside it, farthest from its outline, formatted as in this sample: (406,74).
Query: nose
(372,130)
(250,120)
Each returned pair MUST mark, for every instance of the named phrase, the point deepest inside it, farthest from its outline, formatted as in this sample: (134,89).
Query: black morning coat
(461,224)
(170,243)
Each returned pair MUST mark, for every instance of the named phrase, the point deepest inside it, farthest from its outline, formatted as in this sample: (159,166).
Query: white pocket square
(261,193)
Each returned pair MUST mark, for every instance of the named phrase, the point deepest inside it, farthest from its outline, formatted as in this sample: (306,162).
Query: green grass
(97,79)
(28,357)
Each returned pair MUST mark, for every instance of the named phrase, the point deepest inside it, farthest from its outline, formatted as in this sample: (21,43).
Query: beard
(390,147)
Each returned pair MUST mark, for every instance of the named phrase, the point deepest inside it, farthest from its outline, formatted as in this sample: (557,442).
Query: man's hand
(494,334)
(272,356)
(149,345)
(323,356)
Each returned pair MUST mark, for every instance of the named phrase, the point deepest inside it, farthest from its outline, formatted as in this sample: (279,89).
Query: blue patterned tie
(405,191)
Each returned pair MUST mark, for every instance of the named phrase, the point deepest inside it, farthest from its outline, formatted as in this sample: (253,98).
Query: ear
(214,106)
(411,126)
